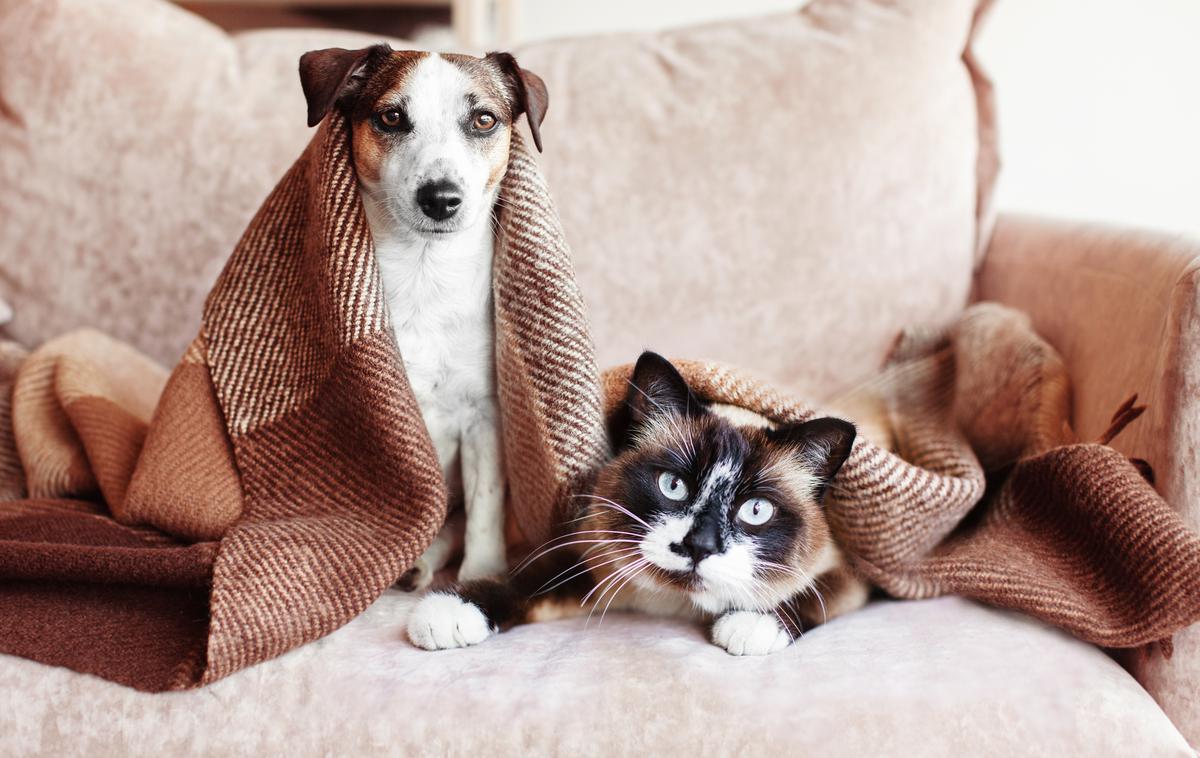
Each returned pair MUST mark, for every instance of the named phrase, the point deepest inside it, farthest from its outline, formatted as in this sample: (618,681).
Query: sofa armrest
(1123,308)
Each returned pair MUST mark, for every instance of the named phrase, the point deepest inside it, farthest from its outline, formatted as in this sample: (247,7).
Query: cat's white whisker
(817,584)
(606,503)
(783,614)
(526,563)
(616,592)
(605,580)
(583,567)
(534,555)
(793,571)
(821,600)
(762,599)
(763,593)
(754,600)
(610,581)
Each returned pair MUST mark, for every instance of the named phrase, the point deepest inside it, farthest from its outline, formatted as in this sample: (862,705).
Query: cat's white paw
(750,633)
(440,621)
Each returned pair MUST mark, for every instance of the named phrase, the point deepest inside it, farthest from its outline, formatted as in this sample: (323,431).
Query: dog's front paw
(416,578)
(750,633)
(481,567)
(441,621)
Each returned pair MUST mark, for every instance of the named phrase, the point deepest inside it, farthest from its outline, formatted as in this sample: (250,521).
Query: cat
(707,512)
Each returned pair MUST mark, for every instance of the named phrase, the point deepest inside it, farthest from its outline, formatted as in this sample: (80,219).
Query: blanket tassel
(1123,417)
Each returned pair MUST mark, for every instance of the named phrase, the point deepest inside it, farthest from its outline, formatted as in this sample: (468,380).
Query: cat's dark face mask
(713,502)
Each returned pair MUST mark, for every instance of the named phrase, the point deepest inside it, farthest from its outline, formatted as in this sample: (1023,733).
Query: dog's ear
(529,93)
(331,74)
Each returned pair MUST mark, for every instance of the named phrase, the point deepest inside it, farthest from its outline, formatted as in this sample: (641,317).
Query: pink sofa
(784,193)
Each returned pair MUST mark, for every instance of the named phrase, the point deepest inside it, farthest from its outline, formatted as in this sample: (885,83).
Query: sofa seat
(936,677)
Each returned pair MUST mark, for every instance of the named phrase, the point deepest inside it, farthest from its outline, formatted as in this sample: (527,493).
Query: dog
(430,142)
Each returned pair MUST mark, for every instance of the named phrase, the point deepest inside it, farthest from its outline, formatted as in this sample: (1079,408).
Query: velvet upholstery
(930,678)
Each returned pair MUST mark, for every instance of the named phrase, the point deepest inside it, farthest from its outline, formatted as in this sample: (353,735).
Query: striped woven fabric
(979,487)
(286,457)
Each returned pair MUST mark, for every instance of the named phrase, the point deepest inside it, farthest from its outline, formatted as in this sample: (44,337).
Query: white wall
(543,19)
(1099,99)
(1099,108)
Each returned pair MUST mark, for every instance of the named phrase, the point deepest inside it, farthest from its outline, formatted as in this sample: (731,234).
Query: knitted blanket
(165,531)
(285,477)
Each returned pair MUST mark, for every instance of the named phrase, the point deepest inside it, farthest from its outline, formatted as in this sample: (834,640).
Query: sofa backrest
(784,193)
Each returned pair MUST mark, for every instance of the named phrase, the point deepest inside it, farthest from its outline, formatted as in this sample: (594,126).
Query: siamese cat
(708,512)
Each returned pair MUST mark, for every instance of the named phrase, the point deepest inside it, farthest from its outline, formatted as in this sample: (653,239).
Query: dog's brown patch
(499,162)
(388,77)
(496,93)
(494,89)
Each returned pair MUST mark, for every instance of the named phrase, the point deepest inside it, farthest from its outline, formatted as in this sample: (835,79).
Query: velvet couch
(784,193)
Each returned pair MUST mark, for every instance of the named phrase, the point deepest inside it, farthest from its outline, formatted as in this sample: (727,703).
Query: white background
(1099,108)
(1099,99)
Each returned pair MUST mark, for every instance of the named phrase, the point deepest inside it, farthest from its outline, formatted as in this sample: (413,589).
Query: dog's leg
(445,437)
(447,542)
(483,497)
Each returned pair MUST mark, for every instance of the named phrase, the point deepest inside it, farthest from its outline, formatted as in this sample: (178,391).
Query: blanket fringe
(1126,414)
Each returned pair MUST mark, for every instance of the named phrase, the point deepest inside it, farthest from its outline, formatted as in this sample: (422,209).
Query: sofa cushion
(136,142)
(784,193)
(770,192)
(930,678)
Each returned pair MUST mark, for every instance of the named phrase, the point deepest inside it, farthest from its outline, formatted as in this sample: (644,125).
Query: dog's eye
(756,511)
(672,486)
(484,121)
(392,119)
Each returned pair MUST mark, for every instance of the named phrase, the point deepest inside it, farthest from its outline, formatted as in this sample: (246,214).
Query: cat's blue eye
(672,486)
(756,511)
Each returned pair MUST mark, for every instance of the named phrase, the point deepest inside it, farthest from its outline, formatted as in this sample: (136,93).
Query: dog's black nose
(439,200)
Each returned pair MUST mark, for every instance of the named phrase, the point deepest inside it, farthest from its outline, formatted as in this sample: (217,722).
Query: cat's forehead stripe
(717,480)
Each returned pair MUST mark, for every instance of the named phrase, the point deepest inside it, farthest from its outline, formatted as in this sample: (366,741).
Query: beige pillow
(139,141)
(784,192)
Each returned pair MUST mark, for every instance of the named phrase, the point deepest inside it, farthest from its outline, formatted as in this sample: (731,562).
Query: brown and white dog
(430,144)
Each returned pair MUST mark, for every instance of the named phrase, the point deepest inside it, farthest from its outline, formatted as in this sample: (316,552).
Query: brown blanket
(286,459)
(284,478)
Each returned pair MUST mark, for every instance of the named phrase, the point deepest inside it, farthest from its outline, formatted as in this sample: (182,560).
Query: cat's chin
(701,593)
(711,602)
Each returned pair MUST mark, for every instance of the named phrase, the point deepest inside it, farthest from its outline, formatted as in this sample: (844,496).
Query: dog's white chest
(440,302)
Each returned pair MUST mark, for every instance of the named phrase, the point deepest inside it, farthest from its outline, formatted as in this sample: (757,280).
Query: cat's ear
(823,445)
(656,388)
